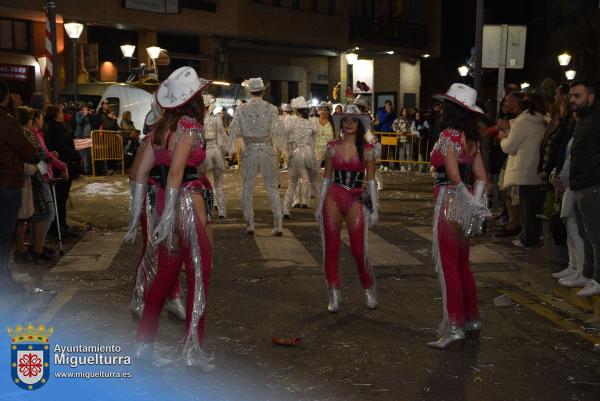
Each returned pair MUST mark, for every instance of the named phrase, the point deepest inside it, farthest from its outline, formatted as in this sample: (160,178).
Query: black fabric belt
(161,172)
(348,179)
(465,171)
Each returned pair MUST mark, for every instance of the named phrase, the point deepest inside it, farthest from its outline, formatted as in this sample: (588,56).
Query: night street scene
(286,200)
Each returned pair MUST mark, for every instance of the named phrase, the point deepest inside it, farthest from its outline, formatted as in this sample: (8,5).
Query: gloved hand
(374,215)
(321,201)
(136,205)
(479,208)
(166,226)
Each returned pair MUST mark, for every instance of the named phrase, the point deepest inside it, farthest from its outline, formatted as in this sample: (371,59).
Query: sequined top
(185,126)
(450,139)
(257,121)
(370,152)
(214,132)
(299,132)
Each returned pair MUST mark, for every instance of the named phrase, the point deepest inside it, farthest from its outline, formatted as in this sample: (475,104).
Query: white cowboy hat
(254,84)
(286,107)
(154,114)
(299,103)
(352,111)
(181,86)
(325,105)
(462,95)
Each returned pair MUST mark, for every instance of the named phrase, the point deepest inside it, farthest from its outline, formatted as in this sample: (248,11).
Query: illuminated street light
(314,101)
(390,52)
(426,55)
(525,85)
(74,30)
(351,58)
(127,50)
(463,70)
(564,59)
(570,74)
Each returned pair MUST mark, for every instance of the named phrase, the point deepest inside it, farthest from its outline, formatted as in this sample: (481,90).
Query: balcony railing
(400,34)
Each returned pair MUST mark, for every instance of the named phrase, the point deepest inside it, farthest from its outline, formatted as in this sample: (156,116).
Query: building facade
(299,46)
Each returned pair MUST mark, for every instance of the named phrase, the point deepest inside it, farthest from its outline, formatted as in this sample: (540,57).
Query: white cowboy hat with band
(462,95)
(254,84)
(351,111)
(179,88)
(299,102)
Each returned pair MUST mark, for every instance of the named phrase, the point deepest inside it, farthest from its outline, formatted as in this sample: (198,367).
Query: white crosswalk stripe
(382,253)
(94,252)
(478,253)
(282,251)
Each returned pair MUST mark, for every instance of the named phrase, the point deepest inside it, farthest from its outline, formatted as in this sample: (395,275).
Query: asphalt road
(535,349)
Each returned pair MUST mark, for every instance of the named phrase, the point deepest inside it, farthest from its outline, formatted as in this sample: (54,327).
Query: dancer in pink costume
(183,202)
(343,199)
(460,210)
(148,262)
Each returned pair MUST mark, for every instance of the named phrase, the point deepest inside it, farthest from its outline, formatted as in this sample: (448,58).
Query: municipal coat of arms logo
(30,355)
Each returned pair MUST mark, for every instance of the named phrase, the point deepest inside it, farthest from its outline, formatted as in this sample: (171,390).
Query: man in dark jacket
(14,151)
(584,180)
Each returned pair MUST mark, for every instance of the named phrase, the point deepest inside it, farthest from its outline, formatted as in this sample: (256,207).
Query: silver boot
(371,298)
(452,338)
(473,329)
(175,308)
(197,357)
(335,296)
(147,352)
(278,226)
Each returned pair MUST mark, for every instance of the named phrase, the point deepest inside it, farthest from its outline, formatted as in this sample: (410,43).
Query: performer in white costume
(216,140)
(258,123)
(300,134)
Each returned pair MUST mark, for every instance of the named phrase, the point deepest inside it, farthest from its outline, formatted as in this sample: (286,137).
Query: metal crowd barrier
(107,145)
(405,148)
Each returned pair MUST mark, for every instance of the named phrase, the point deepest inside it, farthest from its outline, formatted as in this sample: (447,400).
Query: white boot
(568,271)
(577,280)
(147,352)
(371,298)
(335,296)
(175,308)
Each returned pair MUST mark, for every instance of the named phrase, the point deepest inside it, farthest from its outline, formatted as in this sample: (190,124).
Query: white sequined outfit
(258,123)
(301,134)
(216,140)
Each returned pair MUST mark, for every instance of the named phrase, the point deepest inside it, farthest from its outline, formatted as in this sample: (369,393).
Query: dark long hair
(359,140)
(168,121)
(533,103)
(461,119)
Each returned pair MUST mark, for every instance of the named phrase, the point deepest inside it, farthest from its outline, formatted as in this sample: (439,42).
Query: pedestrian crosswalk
(282,251)
(382,253)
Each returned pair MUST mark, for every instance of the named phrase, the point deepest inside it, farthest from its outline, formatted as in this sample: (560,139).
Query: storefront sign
(155,6)
(14,72)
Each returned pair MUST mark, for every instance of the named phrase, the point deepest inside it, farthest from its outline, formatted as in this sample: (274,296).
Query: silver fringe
(188,223)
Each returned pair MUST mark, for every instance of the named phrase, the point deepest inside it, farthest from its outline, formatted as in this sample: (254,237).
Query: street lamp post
(127,51)
(74,30)
(154,52)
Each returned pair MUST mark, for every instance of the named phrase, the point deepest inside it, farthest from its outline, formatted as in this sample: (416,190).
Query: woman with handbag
(460,209)
(343,199)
